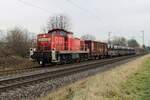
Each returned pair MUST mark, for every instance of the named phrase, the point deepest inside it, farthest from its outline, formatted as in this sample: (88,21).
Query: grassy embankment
(129,81)
(137,86)
(12,62)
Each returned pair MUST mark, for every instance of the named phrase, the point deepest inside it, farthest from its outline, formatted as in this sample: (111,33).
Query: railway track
(16,71)
(17,81)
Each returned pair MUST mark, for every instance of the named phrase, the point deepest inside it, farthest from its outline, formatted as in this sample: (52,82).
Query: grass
(127,82)
(13,62)
(137,86)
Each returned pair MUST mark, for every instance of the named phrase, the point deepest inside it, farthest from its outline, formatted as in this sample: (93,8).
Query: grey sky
(97,17)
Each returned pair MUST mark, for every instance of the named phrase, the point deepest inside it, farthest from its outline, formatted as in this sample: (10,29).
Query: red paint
(60,40)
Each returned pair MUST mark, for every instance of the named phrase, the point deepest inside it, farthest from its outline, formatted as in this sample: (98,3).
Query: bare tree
(18,41)
(133,43)
(3,49)
(2,35)
(88,37)
(58,22)
(121,41)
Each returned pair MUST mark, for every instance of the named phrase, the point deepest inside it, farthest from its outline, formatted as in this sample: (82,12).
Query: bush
(18,42)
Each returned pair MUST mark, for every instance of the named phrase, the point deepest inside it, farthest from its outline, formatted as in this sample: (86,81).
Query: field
(127,82)
(137,86)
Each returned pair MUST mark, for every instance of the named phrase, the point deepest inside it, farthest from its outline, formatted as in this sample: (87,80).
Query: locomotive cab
(43,42)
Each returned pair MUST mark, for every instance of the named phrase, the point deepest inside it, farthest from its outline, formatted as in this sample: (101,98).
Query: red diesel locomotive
(59,46)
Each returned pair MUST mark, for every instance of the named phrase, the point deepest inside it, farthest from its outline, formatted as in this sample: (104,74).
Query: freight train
(60,46)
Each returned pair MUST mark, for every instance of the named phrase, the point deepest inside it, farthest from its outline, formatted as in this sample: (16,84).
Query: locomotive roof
(53,30)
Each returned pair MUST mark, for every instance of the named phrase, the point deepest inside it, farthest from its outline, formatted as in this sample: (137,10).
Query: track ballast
(23,80)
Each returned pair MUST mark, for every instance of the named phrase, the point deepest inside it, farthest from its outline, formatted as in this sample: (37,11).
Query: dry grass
(12,62)
(103,86)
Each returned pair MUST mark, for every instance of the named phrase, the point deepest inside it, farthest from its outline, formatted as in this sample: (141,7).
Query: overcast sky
(97,17)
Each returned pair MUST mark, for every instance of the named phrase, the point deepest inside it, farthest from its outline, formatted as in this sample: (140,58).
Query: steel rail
(9,83)
(4,72)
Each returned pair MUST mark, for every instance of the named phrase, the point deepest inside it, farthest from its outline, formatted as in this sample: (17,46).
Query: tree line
(121,41)
(18,40)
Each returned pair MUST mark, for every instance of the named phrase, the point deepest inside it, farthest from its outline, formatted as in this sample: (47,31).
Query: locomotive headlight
(41,62)
(34,49)
(44,36)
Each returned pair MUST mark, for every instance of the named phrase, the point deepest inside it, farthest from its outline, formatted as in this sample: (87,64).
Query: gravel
(34,91)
